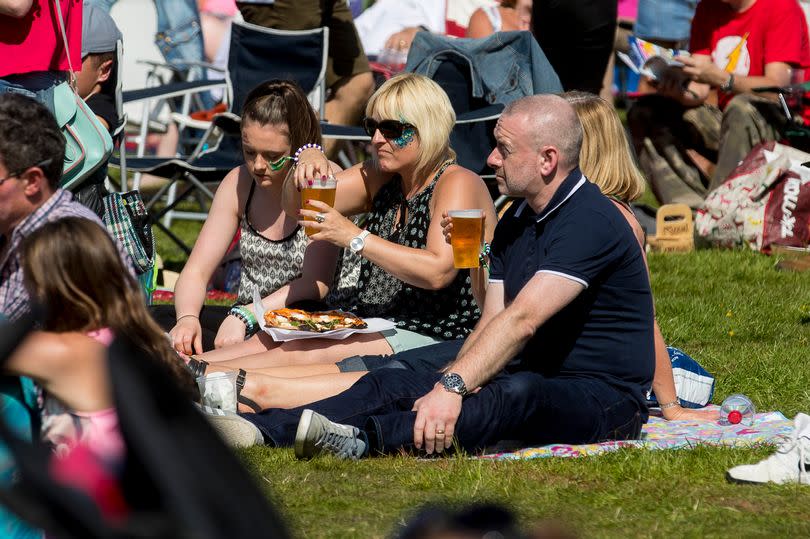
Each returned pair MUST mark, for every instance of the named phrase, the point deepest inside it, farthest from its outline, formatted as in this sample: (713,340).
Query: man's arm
(487,351)
(15,8)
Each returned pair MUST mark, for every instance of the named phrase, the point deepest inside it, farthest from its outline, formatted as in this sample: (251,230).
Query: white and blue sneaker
(317,435)
(790,463)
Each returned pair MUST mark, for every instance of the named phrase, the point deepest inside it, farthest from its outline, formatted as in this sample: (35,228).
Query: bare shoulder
(59,345)
(457,178)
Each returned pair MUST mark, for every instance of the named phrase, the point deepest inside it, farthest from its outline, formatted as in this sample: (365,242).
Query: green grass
(746,322)
(743,320)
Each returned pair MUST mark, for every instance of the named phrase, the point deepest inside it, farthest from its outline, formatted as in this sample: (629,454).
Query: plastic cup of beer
(468,232)
(323,190)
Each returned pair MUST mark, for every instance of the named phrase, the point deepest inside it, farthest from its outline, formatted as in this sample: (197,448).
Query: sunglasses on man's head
(390,129)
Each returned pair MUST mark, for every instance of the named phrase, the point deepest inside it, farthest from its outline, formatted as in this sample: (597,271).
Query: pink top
(98,430)
(226,8)
(628,10)
(34,42)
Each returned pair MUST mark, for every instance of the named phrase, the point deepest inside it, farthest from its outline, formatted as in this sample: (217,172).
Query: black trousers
(211,317)
(577,37)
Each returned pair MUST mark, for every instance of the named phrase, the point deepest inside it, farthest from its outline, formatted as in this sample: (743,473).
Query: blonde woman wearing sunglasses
(406,272)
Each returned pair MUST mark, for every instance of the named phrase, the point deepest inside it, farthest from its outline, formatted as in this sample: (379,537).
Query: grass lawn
(744,321)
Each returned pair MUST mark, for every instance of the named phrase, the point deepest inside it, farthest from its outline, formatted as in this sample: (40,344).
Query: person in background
(607,161)
(348,74)
(509,16)
(32,53)
(96,84)
(706,116)
(577,37)
(96,81)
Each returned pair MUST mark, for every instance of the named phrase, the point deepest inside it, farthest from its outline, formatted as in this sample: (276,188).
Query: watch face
(453,382)
(357,244)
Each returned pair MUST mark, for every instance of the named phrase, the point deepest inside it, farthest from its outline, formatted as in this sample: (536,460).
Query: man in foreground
(563,351)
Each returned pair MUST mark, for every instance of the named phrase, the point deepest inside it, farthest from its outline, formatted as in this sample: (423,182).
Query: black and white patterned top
(449,313)
(271,264)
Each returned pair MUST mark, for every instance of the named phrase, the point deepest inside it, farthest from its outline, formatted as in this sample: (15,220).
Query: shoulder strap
(61,20)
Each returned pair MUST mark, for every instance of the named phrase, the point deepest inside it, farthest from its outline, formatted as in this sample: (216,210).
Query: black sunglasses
(390,129)
(17,173)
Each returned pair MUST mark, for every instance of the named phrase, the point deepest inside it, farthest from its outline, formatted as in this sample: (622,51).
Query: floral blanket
(768,427)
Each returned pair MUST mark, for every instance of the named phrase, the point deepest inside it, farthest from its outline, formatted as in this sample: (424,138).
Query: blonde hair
(417,100)
(605,157)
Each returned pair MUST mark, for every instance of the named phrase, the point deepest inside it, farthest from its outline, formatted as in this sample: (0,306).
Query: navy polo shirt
(607,331)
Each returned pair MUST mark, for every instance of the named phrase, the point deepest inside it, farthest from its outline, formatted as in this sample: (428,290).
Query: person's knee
(739,110)
(355,90)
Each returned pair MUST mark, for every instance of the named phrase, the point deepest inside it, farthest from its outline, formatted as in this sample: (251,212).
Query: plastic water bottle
(737,409)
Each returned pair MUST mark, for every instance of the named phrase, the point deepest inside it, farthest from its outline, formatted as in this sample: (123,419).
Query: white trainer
(790,463)
(317,435)
(234,430)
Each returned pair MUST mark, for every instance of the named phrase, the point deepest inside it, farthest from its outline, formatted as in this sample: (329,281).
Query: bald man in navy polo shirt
(563,351)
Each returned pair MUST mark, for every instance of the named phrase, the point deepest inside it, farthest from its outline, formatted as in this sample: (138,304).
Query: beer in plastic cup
(323,190)
(468,232)
(218,390)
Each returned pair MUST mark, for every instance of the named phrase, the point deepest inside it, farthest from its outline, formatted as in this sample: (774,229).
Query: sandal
(240,384)
(197,367)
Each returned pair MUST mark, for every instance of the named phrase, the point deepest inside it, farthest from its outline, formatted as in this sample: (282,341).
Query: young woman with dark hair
(277,119)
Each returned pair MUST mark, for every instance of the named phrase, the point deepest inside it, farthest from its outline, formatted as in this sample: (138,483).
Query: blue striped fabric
(693,384)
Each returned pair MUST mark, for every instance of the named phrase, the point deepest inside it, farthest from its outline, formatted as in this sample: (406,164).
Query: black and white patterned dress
(449,313)
(271,264)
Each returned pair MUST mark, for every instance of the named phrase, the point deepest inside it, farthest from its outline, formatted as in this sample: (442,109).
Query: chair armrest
(174,89)
(181,65)
(492,112)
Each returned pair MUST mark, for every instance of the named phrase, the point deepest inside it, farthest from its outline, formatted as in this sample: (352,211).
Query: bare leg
(261,342)
(269,392)
(349,97)
(293,371)
(312,352)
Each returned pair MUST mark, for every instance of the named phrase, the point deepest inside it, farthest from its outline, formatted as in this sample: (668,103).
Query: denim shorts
(669,20)
(400,340)
(37,85)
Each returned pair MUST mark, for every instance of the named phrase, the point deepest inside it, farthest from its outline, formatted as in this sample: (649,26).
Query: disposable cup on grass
(218,390)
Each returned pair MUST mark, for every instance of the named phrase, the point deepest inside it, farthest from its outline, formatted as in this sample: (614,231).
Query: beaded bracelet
(666,405)
(484,256)
(246,316)
(306,147)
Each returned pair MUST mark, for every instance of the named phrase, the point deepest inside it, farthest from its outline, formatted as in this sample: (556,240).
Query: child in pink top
(72,268)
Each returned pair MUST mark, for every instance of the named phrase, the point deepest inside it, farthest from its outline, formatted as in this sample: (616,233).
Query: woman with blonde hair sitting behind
(606,160)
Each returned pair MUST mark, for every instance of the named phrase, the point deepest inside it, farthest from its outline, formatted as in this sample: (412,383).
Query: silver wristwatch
(358,242)
(453,383)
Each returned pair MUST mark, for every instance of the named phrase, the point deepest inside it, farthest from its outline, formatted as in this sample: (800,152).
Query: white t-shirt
(387,17)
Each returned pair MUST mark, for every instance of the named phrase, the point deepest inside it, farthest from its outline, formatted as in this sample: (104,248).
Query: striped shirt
(14,301)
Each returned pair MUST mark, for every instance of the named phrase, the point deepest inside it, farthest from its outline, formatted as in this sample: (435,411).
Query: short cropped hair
(417,100)
(29,135)
(605,157)
(551,121)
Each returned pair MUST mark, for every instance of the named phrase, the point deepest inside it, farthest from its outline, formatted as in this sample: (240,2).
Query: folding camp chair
(256,54)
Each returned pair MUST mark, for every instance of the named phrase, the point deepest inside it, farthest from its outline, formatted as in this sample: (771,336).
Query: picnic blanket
(768,427)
